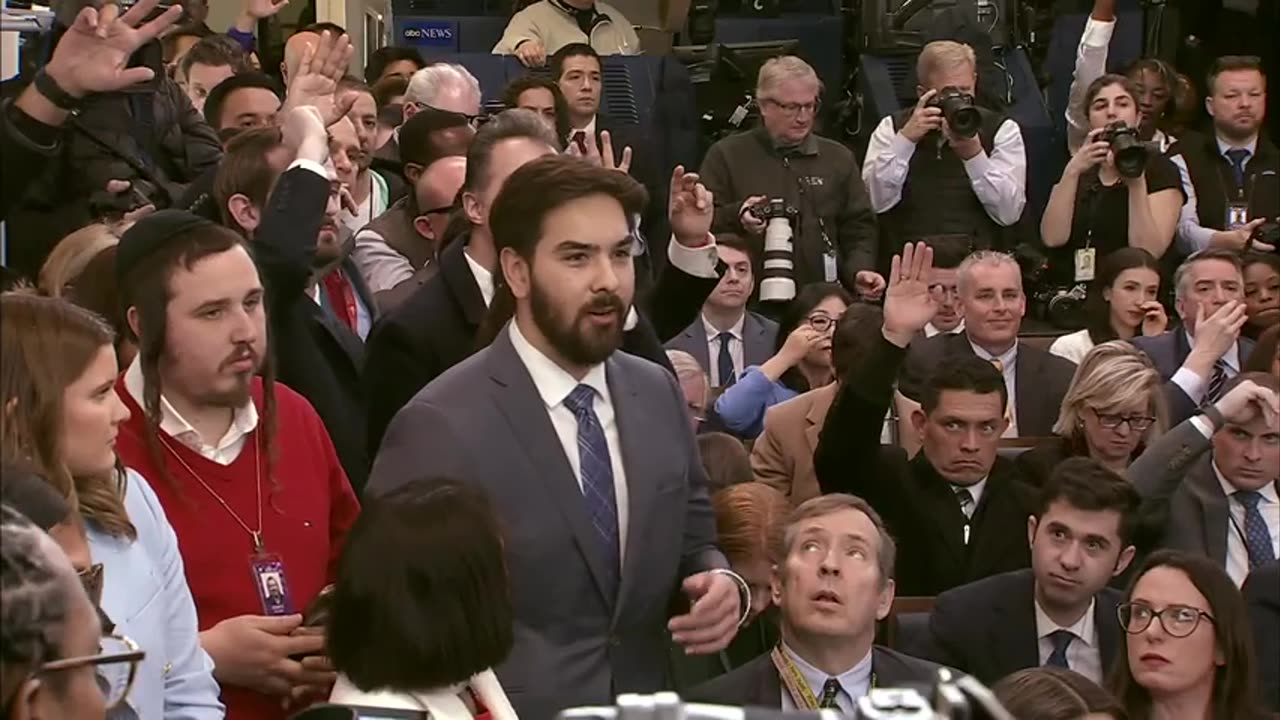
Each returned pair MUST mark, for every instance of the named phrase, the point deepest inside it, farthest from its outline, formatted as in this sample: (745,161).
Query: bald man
(293,50)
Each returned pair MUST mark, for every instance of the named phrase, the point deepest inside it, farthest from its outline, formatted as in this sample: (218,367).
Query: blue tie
(1061,640)
(724,363)
(597,479)
(1257,539)
(1238,157)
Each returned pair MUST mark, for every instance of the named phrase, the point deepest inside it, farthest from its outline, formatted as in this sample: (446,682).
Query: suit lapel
(817,415)
(754,350)
(347,341)
(1014,641)
(518,400)
(1107,623)
(1207,492)
(767,690)
(641,492)
(1026,405)
(360,287)
(462,283)
(697,336)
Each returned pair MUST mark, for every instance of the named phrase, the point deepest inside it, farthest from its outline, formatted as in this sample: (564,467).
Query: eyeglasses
(1111,421)
(793,109)
(442,210)
(938,290)
(91,580)
(1177,620)
(116,662)
(821,322)
(475,121)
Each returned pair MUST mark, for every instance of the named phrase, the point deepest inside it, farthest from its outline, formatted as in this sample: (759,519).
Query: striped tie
(597,478)
(1217,381)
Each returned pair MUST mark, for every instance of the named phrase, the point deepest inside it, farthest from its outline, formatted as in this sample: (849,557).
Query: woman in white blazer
(421,610)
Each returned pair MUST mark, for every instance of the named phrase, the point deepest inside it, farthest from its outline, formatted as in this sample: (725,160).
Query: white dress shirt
(1083,655)
(554,385)
(1195,386)
(225,451)
(1192,236)
(930,330)
(999,180)
(1009,366)
(1269,508)
(589,130)
(713,349)
(854,682)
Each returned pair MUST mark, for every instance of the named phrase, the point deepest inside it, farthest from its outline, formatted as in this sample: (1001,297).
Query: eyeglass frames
(1111,421)
(1177,620)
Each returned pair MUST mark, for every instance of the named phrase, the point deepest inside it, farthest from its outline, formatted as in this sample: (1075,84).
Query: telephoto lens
(1129,152)
(958,108)
(778,280)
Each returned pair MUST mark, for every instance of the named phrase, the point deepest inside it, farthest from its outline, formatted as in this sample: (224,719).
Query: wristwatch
(53,92)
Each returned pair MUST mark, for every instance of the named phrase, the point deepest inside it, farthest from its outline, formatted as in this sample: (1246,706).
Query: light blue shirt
(145,594)
(854,682)
(741,406)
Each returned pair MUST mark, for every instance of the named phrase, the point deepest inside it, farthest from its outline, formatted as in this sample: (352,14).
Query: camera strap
(830,263)
(794,683)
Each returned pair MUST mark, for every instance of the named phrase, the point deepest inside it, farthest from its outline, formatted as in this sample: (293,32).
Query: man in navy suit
(586,452)
(1197,359)
(727,338)
(1060,612)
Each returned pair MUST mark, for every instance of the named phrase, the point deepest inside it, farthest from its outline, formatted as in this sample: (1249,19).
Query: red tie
(342,298)
(580,139)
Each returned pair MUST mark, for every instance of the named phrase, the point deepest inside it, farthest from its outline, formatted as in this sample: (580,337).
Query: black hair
(422,597)
(217,98)
(319,28)
(215,51)
(1234,63)
(1084,484)
(511,99)
(854,336)
(25,490)
(795,313)
(384,56)
(1106,81)
(1096,308)
(388,88)
(964,373)
(571,50)
(506,125)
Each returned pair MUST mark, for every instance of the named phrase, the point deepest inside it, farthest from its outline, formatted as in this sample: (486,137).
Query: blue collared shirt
(854,682)
(145,594)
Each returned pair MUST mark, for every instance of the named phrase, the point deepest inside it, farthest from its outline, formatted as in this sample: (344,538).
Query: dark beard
(574,339)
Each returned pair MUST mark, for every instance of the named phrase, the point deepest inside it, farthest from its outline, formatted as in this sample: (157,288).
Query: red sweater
(305,519)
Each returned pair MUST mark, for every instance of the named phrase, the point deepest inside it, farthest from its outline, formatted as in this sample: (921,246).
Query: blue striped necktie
(597,479)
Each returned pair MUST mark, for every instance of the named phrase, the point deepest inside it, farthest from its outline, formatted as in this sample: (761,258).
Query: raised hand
(93,54)
(1247,400)
(908,304)
(691,208)
(316,81)
(623,163)
(262,9)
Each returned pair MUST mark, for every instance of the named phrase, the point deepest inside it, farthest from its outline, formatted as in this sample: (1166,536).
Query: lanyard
(256,535)
(796,686)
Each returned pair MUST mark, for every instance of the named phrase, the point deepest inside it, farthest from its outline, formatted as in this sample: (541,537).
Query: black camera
(958,108)
(1268,232)
(1128,149)
(1063,307)
(772,208)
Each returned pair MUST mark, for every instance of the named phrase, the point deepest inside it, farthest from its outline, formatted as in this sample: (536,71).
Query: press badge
(1237,215)
(1086,260)
(829,266)
(273,591)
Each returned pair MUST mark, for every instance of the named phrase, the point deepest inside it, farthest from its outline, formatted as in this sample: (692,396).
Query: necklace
(255,535)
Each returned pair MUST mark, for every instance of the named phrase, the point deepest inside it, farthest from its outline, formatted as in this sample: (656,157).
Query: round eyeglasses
(1177,620)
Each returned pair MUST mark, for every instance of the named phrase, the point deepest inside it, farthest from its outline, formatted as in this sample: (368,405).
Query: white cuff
(1191,384)
(698,262)
(978,166)
(1199,423)
(901,148)
(311,165)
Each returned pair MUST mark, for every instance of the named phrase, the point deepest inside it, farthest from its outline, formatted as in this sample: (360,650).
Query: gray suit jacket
(1179,488)
(484,422)
(1167,352)
(759,334)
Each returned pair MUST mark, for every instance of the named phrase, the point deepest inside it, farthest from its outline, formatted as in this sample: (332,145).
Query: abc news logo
(428,33)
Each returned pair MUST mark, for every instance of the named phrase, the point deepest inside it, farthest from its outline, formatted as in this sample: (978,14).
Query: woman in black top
(1093,209)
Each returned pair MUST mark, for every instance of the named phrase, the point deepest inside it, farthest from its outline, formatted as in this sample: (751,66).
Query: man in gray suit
(1212,480)
(1198,359)
(726,338)
(585,451)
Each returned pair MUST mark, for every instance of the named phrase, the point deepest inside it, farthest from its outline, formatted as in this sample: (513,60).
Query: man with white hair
(928,178)
(835,239)
(444,86)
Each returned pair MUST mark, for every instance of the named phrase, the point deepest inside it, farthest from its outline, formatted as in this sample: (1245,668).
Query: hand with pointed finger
(712,620)
(93,54)
(868,284)
(908,304)
(691,207)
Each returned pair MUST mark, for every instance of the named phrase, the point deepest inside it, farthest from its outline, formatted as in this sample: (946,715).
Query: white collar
(1268,491)
(1007,358)
(440,704)
(930,329)
(1231,357)
(735,330)
(1224,145)
(857,676)
(551,380)
(483,276)
(1082,628)
(975,490)
(589,129)
(243,421)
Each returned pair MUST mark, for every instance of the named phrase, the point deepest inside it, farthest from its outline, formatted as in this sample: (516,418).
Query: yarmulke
(150,234)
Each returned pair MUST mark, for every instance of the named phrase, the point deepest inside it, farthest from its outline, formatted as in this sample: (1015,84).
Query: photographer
(835,237)
(1114,193)
(945,166)
(1230,179)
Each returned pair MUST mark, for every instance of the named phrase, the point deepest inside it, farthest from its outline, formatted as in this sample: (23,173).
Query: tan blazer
(783,454)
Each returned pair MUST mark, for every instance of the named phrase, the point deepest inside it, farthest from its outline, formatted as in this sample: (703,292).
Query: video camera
(778,279)
(1128,149)
(958,108)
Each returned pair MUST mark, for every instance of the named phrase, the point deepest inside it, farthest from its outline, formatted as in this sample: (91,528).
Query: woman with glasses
(52,649)
(57,385)
(801,360)
(1121,304)
(1188,654)
(1113,408)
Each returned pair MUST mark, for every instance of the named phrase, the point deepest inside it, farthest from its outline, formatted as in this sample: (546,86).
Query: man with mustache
(1230,178)
(832,580)
(586,452)
(242,465)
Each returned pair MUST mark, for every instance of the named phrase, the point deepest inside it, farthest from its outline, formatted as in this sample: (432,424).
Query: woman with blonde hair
(1113,408)
(70,256)
(61,415)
